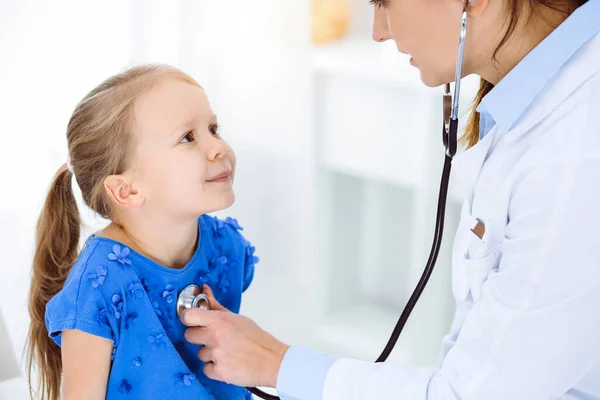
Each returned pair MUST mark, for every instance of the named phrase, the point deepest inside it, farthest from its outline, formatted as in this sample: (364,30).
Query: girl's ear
(121,192)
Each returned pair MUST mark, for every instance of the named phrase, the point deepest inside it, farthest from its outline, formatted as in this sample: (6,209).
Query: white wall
(52,54)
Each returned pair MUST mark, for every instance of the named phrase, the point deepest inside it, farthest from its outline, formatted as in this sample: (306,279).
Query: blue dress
(115,293)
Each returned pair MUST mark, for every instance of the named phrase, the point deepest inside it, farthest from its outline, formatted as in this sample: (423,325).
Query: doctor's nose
(381,32)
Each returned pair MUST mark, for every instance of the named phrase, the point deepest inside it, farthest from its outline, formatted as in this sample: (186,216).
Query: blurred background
(338,145)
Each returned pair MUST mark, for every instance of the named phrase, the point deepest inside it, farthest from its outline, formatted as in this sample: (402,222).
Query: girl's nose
(217,149)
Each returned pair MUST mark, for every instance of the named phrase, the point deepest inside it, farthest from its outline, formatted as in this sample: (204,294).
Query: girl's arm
(86,365)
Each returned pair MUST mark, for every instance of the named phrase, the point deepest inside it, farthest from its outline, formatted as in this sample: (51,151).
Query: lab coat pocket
(482,258)
(479,270)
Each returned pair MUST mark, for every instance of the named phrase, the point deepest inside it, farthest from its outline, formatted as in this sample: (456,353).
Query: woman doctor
(526,257)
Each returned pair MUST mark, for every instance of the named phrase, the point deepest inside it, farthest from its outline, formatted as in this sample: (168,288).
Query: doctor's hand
(235,349)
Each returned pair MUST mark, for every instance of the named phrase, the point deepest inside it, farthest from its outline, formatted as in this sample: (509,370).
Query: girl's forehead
(169,105)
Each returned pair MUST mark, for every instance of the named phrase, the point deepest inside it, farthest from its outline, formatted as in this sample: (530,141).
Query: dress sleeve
(82,304)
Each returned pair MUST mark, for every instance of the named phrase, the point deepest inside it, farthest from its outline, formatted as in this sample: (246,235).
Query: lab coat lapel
(467,166)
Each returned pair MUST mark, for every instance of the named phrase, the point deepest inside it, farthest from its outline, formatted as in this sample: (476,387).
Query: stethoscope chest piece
(191,297)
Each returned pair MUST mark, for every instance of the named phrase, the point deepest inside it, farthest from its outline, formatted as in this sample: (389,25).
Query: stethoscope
(191,296)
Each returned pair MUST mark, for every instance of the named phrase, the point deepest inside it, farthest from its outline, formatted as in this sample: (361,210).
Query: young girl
(144,147)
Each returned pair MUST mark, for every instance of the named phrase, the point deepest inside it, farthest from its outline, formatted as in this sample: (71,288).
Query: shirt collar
(511,97)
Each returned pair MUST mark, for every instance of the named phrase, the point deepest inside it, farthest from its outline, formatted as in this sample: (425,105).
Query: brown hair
(98,137)
(471,136)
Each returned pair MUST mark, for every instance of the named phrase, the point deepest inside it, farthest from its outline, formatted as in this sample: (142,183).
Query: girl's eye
(188,138)
(214,129)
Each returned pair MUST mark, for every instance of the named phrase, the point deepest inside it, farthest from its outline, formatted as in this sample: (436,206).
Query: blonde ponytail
(57,238)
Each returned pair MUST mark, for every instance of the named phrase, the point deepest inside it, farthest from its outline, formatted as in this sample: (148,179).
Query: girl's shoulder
(93,290)
(99,258)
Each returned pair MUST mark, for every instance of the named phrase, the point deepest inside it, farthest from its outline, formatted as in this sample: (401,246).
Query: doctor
(526,257)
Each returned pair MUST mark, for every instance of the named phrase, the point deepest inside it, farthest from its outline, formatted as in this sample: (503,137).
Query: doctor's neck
(526,26)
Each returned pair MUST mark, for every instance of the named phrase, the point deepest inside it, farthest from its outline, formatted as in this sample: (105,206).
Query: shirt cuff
(303,373)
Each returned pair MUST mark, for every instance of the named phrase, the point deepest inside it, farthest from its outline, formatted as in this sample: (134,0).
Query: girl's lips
(223,177)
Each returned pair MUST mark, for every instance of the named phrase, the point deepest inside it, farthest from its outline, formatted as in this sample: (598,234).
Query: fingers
(213,371)
(212,301)
(205,354)
(200,336)
(205,327)
(197,317)
(209,370)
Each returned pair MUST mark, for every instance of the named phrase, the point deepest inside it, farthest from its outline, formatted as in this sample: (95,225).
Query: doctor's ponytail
(99,140)
(471,135)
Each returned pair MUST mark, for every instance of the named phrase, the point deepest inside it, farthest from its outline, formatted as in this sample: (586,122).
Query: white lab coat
(527,324)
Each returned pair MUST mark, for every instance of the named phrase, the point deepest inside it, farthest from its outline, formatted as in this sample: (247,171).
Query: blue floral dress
(118,294)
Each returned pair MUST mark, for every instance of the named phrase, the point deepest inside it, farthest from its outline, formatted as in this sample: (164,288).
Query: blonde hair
(99,140)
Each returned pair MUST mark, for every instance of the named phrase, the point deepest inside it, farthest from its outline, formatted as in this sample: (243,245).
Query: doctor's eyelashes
(378,3)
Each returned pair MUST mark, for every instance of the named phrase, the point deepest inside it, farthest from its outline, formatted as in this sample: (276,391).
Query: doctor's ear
(476,7)
(122,192)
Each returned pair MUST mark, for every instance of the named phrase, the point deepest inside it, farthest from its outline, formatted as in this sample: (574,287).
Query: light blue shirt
(512,96)
(304,371)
